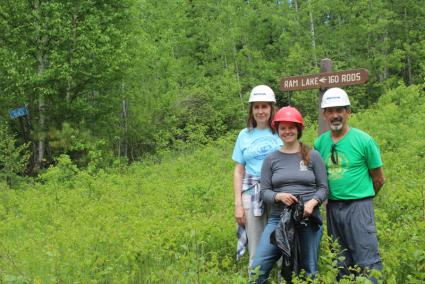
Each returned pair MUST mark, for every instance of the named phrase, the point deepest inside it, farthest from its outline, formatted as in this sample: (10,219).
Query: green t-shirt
(357,153)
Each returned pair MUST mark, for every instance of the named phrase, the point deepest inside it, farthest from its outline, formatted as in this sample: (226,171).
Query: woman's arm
(238,175)
(321,178)
(267,193)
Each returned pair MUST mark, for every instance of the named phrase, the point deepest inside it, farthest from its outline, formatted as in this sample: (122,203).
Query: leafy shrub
(13,158)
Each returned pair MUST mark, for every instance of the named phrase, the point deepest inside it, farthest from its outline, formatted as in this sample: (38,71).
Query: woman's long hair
(305,149)
(251,123)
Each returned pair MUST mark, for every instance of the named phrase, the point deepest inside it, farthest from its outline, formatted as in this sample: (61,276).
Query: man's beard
(336,127)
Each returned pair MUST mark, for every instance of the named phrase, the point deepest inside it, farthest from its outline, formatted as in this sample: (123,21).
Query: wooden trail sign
(324,80)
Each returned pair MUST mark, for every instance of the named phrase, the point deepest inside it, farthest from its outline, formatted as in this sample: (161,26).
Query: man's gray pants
(352,224)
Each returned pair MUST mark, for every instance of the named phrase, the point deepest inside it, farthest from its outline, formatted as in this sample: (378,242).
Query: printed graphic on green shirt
(337,170)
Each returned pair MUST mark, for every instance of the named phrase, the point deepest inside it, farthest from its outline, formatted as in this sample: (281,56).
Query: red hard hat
(288,114)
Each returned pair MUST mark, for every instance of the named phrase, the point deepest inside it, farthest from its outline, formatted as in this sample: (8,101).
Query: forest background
(108,83)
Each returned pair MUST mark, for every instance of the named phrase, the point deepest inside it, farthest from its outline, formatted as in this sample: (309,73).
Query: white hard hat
(335,97)
(262,93)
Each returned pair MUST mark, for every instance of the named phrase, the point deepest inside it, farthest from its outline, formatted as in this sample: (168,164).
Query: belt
(348,200)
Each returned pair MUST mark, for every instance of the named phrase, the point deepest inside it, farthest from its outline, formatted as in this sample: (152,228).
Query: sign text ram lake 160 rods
(324,80)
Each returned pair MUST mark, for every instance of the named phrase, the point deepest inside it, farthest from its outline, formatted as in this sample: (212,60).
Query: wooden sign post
(324,80)
(325,67)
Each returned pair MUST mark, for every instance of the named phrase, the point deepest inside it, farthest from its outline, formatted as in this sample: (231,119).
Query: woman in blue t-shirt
(253,144)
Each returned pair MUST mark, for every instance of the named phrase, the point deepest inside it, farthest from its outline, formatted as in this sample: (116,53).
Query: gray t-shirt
(282,172)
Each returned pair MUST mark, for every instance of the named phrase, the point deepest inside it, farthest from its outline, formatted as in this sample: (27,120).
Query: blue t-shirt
(252,146)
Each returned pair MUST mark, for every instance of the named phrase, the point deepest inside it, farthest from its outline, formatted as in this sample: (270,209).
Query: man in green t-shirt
(355,175)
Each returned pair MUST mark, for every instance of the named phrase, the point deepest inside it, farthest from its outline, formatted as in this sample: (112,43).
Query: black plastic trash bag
(285,236)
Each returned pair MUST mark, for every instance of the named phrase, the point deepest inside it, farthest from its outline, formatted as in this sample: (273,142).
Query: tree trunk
(408,59)
(124,139)
(237,74)
(296,5)
(385,52)
(41,101)
(41,118)
(313,36)
(409,71)
(226,66)
(71,54)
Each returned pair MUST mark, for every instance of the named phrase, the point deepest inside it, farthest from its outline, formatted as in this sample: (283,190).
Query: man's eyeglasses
(334,154)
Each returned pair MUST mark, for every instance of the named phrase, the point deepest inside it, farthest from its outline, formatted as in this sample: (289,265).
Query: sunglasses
(334,154)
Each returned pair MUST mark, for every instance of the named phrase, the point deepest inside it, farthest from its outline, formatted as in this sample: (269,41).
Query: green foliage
(13,158)
(81,146)
(200,65)
(122,228)
(61,174)
(66,61)
(155,81)
(171,222)
(129,74)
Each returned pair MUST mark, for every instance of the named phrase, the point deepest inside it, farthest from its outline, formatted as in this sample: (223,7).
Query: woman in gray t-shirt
(293,170)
